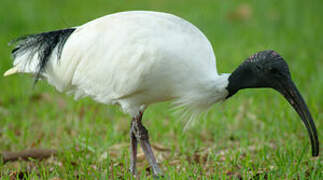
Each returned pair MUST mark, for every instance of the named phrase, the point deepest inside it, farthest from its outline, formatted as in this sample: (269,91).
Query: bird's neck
(210,91)
(216,90)
(242,77)
(221,83)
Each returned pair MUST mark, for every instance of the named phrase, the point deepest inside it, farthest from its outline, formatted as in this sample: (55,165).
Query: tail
(32,52)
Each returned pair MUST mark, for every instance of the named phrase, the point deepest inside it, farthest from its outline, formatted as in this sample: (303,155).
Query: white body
(135,59)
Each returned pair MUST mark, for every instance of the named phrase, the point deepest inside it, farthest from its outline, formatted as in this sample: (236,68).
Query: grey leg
(133,151)
(141,134)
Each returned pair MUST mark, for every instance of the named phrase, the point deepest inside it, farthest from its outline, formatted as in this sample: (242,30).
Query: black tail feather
(43,44)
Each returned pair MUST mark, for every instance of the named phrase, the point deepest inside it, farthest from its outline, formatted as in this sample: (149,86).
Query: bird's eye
(274,70)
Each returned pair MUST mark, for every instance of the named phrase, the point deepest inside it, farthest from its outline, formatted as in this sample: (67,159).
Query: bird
(137,58)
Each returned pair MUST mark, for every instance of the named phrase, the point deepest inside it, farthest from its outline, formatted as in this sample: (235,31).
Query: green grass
(254,135)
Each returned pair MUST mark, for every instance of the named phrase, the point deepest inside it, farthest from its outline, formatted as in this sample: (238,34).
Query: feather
(41,44)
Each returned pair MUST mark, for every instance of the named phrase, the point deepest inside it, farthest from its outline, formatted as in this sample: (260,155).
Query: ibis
(137,58)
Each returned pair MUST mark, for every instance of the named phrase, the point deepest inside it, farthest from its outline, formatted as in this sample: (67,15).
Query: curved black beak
(267,69)
(290,92)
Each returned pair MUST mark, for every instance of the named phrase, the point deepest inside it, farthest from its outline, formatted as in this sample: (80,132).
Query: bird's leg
(133,149)
(141,134)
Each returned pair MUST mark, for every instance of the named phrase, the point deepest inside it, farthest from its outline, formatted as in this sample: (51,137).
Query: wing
(123,55)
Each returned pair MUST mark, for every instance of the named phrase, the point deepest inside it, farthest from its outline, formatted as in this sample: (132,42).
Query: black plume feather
(43,44)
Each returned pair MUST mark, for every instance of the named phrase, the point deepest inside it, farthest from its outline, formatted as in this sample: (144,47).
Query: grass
(254,135)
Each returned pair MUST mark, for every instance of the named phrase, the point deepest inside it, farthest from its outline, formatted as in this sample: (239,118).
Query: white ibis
(138,58)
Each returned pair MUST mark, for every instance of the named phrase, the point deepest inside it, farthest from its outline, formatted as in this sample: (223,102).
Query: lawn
(254,135)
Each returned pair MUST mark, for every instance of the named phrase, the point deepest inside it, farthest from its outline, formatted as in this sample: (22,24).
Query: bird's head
(267,69)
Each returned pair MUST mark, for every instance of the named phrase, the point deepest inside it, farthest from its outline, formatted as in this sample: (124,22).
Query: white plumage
(138,58)
(135,59)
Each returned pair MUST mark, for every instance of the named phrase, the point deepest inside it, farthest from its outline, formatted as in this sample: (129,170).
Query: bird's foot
(157,173)
(133,171)
(156,170)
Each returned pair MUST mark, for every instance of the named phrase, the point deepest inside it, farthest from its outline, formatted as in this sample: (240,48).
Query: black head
(263,69)
(267,69)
